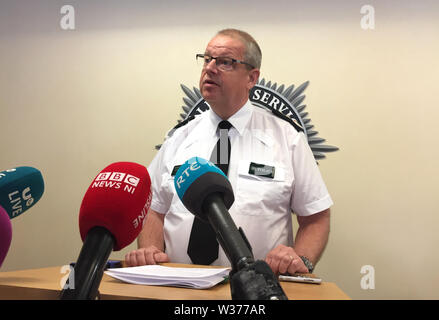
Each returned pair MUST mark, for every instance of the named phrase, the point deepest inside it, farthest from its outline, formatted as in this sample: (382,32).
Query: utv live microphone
(5,234)
(110,218)
(20,189)
(207,193)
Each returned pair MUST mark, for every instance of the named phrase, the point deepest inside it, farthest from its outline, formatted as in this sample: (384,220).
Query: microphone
(20,189)
(111,217)
(5,234)
(207,193)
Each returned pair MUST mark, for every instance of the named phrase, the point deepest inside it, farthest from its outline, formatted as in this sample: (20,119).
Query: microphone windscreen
(5,234)
(118,200)
(20,189)
(198,178)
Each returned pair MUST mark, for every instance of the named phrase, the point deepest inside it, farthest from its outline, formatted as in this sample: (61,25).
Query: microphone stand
(249,279)
(90,266)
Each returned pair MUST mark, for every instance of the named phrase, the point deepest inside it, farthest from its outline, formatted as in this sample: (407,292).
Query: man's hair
(253,54)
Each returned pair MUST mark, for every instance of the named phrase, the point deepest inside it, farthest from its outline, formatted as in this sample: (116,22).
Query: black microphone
(207,193)
(231,239)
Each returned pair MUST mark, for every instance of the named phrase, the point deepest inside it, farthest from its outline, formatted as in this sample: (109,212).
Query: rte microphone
(110,218)
(5,234)
(20,189)
(207,193)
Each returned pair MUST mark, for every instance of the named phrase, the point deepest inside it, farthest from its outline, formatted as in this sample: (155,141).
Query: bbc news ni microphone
(110,218)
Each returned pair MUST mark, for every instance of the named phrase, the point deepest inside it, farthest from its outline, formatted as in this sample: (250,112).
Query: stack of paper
(156,275)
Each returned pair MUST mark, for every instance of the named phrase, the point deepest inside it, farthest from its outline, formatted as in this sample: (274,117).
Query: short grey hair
(253,54)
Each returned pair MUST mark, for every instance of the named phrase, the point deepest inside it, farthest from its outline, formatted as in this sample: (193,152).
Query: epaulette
(179,125)
(184,122)
(293,122)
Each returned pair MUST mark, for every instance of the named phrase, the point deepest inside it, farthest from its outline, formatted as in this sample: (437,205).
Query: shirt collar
(239,120)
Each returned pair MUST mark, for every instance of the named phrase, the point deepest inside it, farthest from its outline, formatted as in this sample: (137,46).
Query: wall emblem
(286,103)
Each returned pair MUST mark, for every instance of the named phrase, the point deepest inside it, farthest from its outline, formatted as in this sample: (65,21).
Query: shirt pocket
(258,195)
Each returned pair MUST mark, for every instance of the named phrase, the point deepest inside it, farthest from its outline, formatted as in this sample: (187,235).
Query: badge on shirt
(174,171)
(261,170)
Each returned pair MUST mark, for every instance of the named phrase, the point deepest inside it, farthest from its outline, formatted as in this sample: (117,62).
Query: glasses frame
(203,55)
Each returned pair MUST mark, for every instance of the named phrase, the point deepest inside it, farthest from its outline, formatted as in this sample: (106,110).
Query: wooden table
(45,284)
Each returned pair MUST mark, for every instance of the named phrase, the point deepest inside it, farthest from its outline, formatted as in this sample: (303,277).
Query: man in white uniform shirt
(263,204)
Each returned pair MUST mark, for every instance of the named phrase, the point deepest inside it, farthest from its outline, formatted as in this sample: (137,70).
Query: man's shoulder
(277,119)
(180,131)
(190,122)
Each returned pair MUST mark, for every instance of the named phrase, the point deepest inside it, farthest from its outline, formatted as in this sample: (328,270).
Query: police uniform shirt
(263,203)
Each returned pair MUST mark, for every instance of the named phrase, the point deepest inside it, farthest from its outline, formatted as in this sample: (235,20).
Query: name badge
(261,170)
(174,171)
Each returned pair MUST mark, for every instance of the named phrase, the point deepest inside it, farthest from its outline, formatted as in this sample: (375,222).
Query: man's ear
(253,77)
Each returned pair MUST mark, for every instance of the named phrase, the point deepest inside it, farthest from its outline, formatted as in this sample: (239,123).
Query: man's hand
(283,259)
(144,256)
(150,242)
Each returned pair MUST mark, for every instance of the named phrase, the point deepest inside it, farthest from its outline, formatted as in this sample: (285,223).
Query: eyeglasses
(223,63)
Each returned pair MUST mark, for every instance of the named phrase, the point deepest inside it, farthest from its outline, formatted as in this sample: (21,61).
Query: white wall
(72,102)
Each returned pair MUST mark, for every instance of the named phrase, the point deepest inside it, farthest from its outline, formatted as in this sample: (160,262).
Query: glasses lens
(200,60)
(207,59)
(224,63)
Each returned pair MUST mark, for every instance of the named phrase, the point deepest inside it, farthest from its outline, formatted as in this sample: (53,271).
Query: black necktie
(203,247)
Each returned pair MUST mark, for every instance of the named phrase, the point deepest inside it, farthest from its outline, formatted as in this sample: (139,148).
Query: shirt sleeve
(310,194)
(161,199)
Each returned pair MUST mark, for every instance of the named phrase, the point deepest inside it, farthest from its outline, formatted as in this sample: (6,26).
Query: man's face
(225,87)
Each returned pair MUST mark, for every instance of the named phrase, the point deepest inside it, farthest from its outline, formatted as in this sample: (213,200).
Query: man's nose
(211,66)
